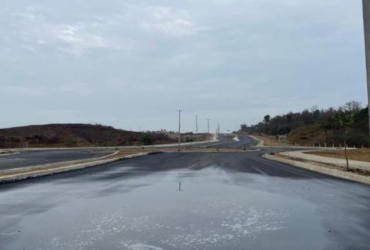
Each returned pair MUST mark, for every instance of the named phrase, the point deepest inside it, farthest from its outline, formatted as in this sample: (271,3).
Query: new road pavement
(186,201)
(28,158)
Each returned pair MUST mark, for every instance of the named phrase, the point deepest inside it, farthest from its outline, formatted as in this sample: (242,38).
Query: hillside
(332,126)
(75,135)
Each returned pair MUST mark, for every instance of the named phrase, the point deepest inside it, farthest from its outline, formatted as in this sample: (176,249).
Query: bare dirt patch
(273,140)
(353,154)
(331,166)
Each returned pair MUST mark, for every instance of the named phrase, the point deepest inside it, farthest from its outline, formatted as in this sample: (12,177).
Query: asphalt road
(40,157)
(240,141)
(225,201)
(34,158)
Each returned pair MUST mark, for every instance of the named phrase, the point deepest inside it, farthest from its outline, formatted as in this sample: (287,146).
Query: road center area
(185,201)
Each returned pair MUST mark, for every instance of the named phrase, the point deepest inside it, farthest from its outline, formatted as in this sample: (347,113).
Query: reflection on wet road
(227,201)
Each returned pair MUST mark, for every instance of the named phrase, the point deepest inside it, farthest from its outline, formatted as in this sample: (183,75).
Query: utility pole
(366,9)
(196,128)
(179,126)
(208,125)
(219,129)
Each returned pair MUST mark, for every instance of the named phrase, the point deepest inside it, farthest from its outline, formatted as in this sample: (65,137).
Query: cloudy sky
(133,63)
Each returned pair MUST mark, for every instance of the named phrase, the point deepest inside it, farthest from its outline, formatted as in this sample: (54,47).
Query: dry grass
(353,154)
(190,137)
(331,166)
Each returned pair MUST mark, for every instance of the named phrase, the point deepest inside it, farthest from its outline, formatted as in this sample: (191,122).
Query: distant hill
(348,123)
(76,135)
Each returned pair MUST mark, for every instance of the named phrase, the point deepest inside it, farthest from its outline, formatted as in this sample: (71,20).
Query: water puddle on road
(209,212)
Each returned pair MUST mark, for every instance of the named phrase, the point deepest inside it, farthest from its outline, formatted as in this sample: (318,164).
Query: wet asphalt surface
(34,158)
(186,201)
(41,157)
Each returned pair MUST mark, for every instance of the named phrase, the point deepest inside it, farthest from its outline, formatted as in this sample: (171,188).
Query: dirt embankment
(273,140)
(353,154)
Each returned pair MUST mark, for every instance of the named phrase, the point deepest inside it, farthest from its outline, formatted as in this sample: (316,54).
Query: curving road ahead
(41,157)
(240,141)
(186,201)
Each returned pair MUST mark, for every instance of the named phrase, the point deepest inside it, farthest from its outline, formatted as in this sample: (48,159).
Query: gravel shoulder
(359,171)
(362,154)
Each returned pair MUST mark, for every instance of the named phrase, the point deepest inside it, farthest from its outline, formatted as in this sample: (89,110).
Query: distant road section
(229,141)
(41,157)
(33,158)
(240,141)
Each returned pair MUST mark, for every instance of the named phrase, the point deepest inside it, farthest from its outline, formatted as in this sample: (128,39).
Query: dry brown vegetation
(318,126)
(353,154)
(75,135)
(190,137)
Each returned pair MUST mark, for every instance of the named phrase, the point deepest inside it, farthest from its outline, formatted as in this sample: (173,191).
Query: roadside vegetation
(77,135)
(347,124)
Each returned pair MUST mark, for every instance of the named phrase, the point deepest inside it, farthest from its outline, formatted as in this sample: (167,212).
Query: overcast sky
(133,63)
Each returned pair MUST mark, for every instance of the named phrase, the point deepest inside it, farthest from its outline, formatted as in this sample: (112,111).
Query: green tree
(147,139)
(70,142)
(267,119)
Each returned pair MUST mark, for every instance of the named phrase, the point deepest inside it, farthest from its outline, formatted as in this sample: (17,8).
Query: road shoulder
(19,174)
(329,166)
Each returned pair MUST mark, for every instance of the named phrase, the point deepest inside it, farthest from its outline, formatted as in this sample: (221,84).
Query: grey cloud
(230,60)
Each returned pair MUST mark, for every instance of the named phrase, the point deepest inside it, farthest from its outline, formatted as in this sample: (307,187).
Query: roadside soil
(272,140)
(353,154)
(331,166)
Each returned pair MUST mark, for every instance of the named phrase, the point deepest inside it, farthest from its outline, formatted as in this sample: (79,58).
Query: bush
(70,142)
(147,139)
(189,139)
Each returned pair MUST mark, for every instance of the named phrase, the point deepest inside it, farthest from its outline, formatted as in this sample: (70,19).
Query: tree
(267,119)
(346,120)
(147,139)
(244,128)
(352,106)
(326,126)
(324,120)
